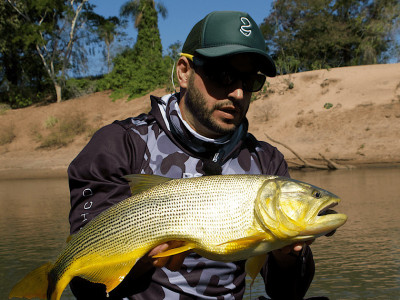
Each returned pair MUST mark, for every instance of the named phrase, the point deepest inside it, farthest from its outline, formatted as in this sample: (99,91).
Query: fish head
(291,209)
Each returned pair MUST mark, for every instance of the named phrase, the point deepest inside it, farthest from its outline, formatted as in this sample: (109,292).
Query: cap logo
(245,28)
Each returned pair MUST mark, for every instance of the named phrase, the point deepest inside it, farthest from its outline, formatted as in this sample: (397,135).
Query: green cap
(223,33)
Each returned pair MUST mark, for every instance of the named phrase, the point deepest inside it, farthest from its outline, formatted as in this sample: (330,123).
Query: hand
(174,262)
(287,255)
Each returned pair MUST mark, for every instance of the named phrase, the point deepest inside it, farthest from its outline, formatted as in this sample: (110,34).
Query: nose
(236,90)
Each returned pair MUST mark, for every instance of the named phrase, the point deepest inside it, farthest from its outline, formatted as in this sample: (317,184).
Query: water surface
(361,261)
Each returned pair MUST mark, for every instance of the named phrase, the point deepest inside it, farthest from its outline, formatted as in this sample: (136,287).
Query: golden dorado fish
(224,217)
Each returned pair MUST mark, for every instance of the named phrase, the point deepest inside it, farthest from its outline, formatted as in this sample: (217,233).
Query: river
(361,261)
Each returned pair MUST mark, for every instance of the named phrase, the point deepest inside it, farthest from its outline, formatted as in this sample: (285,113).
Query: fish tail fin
(35,284)
(56,286)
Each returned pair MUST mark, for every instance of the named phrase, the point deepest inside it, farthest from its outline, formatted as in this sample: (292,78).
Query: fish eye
(317,194)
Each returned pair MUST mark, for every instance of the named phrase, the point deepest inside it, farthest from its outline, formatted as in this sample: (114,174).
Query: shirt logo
(245,28)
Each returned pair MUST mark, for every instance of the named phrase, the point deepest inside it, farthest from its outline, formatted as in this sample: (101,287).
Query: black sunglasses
(224,75)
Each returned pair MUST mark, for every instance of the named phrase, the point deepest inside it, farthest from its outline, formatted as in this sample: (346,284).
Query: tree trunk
(58,92)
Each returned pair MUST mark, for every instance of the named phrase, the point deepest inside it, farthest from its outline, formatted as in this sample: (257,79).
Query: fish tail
(56,286)
(35,284)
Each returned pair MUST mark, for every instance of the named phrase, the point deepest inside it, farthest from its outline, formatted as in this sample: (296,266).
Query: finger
(298,247)
(158,249)
(175,262)
(161,261)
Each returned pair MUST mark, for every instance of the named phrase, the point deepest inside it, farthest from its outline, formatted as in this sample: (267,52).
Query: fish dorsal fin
(143,182)
(69,238)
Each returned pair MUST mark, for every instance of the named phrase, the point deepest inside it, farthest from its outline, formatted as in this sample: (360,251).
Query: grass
(7,134)
(4,108)
(62,131)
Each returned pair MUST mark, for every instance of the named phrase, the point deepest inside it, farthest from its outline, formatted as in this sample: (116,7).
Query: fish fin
(33,285)
(110,277)
(254,265)
(110,271)
(69,238)
(170,252)
(143,182)
(248,240)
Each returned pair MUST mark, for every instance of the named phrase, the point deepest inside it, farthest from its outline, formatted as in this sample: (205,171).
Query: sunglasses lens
(225,77)
(254,83)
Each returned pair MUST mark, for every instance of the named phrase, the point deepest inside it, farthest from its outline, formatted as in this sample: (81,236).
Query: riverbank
(349,115)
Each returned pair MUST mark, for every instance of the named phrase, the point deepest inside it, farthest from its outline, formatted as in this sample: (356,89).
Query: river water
(361,261)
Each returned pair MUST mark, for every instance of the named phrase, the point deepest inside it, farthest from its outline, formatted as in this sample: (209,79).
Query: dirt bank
(349,115)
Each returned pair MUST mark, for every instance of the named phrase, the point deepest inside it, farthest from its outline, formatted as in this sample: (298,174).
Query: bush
(78,87)
(22,96)
(134,77)
(63,131)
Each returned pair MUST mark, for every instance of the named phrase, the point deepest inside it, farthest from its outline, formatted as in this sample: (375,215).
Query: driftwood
(330,165)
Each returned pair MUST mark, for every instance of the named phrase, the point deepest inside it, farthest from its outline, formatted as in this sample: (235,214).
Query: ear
(183,69)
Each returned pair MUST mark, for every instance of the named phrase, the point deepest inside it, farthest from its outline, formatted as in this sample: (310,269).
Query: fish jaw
(324,224)
(324,220)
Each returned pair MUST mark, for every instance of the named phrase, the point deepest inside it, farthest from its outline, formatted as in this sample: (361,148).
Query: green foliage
(43,40)
(23,80)
(315,34)
(141,69)
(78,87)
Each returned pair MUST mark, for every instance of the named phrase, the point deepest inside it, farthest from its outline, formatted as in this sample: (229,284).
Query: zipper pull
(215,158)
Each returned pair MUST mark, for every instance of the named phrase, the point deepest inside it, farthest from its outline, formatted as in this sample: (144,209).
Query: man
(200,131)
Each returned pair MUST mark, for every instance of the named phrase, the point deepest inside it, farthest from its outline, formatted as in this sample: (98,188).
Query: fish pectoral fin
(254,265)
(174,251)
(248,240)
(142,182)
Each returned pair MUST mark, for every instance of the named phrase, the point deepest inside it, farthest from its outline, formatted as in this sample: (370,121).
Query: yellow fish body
(225,218)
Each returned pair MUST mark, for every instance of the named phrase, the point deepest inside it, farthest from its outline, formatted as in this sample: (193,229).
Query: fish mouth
(326,221)
(327,209)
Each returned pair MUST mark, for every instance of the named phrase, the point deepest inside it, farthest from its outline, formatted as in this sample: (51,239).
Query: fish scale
(224,217)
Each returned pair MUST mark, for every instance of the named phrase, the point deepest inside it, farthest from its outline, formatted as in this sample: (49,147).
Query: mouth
(327,210)
(229,112)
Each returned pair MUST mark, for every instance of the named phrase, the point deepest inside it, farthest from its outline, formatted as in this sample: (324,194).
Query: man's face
(213,109)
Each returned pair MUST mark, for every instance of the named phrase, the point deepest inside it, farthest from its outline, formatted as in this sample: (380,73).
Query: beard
(196,104)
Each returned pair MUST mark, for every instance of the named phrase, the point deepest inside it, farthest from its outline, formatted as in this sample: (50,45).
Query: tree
(107,30)
(313,34)
(22,76)
(138,70)
(55,28)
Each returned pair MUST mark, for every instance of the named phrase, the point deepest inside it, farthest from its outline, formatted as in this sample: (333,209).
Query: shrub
(64,131)
(7,134)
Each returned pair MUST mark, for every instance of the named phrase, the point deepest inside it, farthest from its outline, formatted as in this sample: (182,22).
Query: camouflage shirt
(161,143)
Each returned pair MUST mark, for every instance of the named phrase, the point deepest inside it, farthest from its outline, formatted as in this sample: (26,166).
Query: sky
(184,14)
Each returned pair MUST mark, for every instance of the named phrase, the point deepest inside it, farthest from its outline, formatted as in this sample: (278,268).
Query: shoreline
(61,172)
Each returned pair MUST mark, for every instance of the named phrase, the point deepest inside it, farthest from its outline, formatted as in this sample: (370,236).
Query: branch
(71,35)
(330,164)
(14,5)
(334,166)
